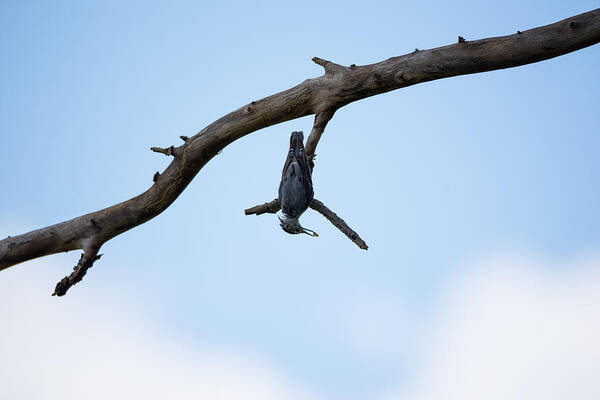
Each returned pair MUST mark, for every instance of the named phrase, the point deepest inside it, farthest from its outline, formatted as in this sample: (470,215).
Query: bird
(295,189)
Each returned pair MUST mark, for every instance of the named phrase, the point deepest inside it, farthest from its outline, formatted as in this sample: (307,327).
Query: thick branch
(338,87)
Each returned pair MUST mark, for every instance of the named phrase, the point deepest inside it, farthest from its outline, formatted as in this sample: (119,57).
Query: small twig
(330,67)
(271,207)
(338,223)
(169,151)
(85,262)
(184,138)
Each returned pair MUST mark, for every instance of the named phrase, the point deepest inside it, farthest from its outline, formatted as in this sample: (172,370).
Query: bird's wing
(305,172)
(296,168)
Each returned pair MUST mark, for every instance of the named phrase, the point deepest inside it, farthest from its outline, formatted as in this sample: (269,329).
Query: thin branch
(273,207)
(86,261)
(337,88)
(168,151)
(338,223)
(331,68)
(321,120)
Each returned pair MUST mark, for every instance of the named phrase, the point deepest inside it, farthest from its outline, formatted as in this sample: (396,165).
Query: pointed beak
(310,232)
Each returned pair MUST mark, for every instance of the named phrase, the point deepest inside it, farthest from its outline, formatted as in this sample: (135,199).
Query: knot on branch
(378,79)
(85,262)
(249,109)
(404,77)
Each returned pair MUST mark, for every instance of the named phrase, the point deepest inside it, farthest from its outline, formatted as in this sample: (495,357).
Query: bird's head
(292,226)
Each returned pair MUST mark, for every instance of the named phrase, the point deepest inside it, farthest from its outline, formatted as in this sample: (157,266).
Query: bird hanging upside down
(295,189)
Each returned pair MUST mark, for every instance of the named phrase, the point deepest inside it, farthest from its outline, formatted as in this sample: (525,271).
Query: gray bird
(295,189)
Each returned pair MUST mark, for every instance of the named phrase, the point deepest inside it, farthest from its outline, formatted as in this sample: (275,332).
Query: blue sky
(443,174)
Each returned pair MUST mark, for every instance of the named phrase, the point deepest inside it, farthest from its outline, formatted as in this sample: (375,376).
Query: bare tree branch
(338,223)
(321,120)
(169,151)
(86,261)
(273,207)
(338,87)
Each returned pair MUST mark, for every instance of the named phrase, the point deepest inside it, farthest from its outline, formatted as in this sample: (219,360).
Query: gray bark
(320,96)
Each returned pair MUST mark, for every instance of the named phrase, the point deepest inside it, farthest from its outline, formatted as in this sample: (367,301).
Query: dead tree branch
(169,151)
(273,207)
(321,120)
(338,223)
(86,261)
(338,87)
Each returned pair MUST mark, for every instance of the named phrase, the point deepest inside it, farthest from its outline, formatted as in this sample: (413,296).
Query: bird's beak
(310,232)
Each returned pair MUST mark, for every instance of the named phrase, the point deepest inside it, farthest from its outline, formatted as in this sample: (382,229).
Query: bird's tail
(297,141)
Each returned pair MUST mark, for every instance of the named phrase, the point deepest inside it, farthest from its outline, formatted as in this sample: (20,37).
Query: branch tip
(86,261)
(338,223)
(271,207)
(330,67)
(169,151)
(320,61)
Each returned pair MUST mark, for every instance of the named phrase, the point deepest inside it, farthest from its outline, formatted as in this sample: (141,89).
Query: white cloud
(92,346)
(515,329)
(373,324)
